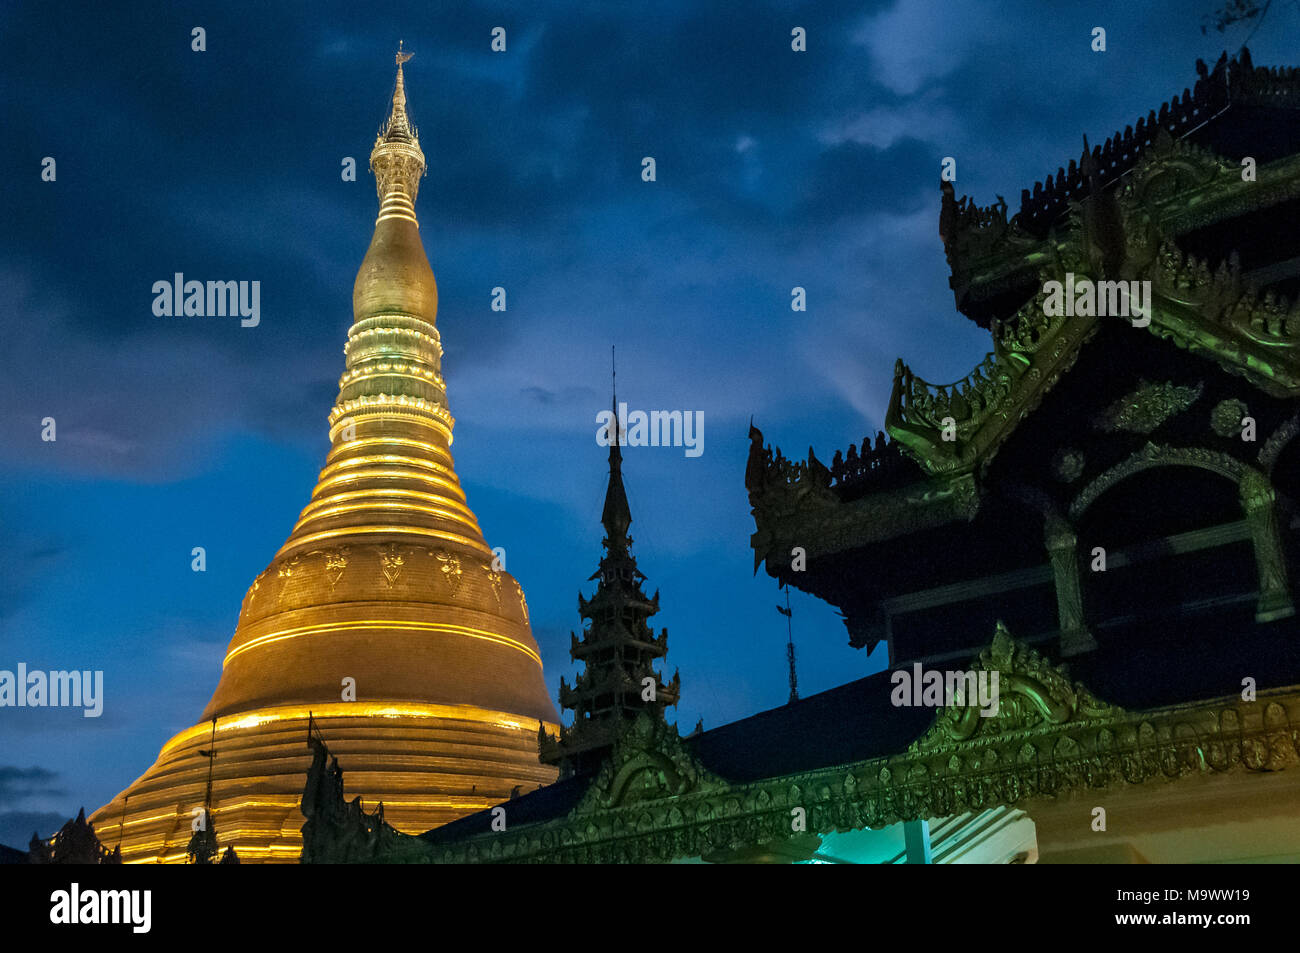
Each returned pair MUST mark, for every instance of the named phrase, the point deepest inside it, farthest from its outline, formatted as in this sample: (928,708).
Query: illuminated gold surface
(429,764)
(386,579)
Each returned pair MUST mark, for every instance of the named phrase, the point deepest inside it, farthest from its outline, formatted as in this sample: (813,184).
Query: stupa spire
(397,160)
(398,125)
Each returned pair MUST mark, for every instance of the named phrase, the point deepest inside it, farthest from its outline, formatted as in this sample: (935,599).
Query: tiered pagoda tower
(384,616)
(618,647)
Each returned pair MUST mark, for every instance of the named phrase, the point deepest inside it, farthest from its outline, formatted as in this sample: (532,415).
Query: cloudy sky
(775,169)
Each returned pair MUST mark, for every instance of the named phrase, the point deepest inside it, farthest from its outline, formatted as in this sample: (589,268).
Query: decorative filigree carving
(1170,168)
(966,403)
(778,487)
(391,559)
(494,577)
(449,564)
(1226,417)
(523,603)
(397,173)
(971,233)
(335,560)
(769,474)
(1067,464)
(1147,407)
(954,427)
(1153,152)
(1125,150)
(1222,298)
(1127,202)
(799,513)
(877,467)
(648,761)
(1032,692)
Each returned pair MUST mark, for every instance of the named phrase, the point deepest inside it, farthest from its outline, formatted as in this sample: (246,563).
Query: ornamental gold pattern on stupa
(386,583)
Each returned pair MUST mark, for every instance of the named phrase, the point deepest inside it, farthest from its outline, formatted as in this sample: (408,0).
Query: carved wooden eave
(1245,337)
(1213,190)
(1216,317)
(788,516)
(1050,737)
(1031,354)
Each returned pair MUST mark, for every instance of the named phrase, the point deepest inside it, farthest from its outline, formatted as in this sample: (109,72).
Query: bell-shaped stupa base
(429,764)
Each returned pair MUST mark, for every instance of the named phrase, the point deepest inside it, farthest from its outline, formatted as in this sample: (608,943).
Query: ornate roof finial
(398,127)
(613,378)
(617,516)
(397,161)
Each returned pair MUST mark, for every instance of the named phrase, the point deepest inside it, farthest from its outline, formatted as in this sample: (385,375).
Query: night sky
(775,169)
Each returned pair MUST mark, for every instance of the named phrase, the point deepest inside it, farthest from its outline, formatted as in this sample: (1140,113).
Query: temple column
(1258,500)
(1063,550)
(916,840)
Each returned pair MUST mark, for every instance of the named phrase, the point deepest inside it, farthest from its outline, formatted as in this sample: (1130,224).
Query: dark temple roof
(543,804)
(853,722)
(11,855)
(1234,102)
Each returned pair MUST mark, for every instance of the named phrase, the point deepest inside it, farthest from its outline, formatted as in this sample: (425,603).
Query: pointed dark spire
(616,516)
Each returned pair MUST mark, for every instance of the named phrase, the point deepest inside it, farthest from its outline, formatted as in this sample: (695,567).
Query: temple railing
(1119,153)
(877,466)
(969,228)
(778,484)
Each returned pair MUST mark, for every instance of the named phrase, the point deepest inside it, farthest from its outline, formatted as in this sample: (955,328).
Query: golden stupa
(384,615)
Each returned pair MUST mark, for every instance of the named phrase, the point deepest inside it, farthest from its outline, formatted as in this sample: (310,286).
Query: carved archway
(1278,441)
(1156,455)
(650,766)
(1255,494)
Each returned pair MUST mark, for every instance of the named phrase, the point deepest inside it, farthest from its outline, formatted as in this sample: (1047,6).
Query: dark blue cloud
(17,784)
(849,179)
